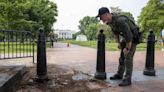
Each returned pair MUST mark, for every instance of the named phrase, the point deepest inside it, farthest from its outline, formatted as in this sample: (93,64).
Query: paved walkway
(84,59)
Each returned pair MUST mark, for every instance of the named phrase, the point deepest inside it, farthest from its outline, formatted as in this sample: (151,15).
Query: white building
(81,38)
(64,34)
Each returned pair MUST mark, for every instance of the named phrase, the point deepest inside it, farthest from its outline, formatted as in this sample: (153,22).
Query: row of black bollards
(100,67)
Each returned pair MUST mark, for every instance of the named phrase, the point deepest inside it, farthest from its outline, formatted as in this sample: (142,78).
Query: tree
(91,31)
(85,22)
(107,31)
(151,16)
(74,35)
(128,14)
(43,12)
(117,10)
(27,15)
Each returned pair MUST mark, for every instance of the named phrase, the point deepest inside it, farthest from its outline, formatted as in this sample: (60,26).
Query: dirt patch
(60,79)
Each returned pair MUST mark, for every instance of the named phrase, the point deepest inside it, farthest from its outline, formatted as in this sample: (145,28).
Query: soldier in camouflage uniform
(123,32)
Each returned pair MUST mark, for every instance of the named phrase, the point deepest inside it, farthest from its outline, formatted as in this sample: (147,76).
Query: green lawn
(109,46)
(13,47)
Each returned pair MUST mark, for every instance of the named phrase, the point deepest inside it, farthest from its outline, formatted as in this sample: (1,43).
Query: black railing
(16,44)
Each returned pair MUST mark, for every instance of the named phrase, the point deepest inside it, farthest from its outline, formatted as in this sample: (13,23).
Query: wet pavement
(83,59)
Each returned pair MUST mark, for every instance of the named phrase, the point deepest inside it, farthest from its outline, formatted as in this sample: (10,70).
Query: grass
(110,46)
(13,47)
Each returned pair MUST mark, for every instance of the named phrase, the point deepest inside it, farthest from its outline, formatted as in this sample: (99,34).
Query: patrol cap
(102,11)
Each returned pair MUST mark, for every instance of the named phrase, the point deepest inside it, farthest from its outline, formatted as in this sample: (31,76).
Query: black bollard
(100,68)
(41,57)
(149,66)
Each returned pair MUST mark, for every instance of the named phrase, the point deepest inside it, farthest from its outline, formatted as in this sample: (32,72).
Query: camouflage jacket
(121,25)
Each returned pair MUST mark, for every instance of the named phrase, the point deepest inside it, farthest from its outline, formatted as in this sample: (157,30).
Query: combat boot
(125,82)
(116,77)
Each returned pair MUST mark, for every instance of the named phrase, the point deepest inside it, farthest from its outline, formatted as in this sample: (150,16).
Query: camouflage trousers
(125,67)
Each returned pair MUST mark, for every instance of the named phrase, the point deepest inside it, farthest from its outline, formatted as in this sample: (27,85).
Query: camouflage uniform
(120,25)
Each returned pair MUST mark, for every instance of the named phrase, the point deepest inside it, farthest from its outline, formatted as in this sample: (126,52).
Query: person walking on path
(162,37)
(52,37)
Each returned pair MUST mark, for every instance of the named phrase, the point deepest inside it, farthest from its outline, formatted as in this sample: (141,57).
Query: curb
(8,83)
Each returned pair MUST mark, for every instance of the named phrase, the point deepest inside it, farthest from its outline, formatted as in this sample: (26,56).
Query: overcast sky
(71,11)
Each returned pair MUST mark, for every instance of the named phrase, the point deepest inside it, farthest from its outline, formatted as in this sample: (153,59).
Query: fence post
(33,43)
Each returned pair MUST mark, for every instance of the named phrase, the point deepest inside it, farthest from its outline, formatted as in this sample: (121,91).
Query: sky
(70,12)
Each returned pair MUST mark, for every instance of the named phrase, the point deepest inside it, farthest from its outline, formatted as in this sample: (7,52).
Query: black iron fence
(16,44)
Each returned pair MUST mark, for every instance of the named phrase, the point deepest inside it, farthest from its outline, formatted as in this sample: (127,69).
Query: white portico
(64,34)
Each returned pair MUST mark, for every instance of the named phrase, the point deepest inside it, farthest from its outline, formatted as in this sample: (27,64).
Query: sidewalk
(84,59)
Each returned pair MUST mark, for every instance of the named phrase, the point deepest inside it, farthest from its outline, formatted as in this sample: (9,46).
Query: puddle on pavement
(80,76)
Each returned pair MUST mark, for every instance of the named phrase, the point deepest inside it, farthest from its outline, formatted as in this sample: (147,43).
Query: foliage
(91,31)
(119,11)
(115,9)
(107,31)
(27,15)
(85,22)
(152,17)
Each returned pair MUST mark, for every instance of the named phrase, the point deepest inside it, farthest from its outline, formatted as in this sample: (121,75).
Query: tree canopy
(27,15)
(117,10)
(152,16)
(85,22)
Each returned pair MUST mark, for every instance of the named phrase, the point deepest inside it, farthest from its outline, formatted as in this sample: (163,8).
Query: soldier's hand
(125,51)
(119,46)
